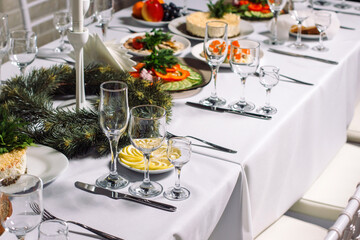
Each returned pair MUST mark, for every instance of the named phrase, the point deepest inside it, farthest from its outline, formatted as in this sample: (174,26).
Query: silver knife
(220,109)
(337,11)
(293,80)
(303,56)
(117,195)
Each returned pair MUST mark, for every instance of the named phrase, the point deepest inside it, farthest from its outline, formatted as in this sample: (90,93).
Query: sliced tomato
(266,7)
(243,2)
(257,7)
(171,75)
(265,11)
(136,43)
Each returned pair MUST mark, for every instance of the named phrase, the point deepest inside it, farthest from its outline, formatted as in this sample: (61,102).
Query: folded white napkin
(285,22)
(97,51)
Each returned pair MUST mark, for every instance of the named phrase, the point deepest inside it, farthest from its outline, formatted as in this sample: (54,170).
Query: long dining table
(233,196)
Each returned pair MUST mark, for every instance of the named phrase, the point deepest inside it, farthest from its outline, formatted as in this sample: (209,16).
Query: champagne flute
(215,49)
(269,78)
(19,196)
(147,132)
(178,153)
(103,10)
(322,22)
(23,48)
(114,117)
(300,12)
(275,6)
(62,21)
(244,60)
(4,38)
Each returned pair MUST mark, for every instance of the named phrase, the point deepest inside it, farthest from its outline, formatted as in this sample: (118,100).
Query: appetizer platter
(141,44)
(306,32)
(253,10)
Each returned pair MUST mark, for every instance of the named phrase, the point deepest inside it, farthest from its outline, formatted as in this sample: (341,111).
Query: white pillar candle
(77,15)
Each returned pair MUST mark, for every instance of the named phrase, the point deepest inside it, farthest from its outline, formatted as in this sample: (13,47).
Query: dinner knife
(303,56)
(117,195)
(337,11)
(290,78)
(220,109)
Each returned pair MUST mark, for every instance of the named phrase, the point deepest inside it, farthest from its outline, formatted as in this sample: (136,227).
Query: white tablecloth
(282,157)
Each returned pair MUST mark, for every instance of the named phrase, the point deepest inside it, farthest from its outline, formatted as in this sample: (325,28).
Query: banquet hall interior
(288,169)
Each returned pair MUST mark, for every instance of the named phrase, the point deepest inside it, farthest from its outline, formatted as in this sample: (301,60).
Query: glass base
(273,42)
(176,195)
(146,190)
(322,3)
(266,110)
(342,6)
(213,101)
(112,181)
(320,48)
(242,106)
(298,46)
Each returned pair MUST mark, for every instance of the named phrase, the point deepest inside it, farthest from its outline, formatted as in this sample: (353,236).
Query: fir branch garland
(74,133)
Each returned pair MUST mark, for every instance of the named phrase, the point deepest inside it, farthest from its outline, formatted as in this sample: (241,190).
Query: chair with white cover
(347,226)
(329,195)
(353,131)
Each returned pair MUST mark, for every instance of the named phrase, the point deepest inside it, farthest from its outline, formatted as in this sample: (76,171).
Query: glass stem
(22,70)
(177,182)
(298,37)
(114,155)
(62,42)
(185,9)
(321,45)
(146,173)
(214,71)
(267,102)
(242,91)
(275,13)
(104,27)
(20,237)
(1,59)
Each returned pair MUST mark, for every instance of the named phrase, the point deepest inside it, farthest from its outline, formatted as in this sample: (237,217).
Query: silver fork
(48,216)
(124,27)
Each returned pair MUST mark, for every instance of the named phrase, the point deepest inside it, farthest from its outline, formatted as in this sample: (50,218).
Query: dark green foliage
(154,38)
(73,133)
(218,9)
(160,60)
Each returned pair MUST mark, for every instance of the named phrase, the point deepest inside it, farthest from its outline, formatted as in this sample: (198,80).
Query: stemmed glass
(103,10)
(322,22)
(269,78)
(178,153)
(275,6)
(300,11)
(114,117)
(342,5)
(23,48)
(184,10)
(215,49)
(62,21)
(4,38)
(147,132)
(244,60)
(19,196)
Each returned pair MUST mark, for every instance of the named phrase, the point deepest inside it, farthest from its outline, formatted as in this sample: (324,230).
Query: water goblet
(244,60)
(4,37)
(147,132)
(25,192)
(103,10)
(114,117)
(275,7)
(53,230)
(62,21)
(215,49)
(23,48)
(342,5)
(178,153)
(299,11)
(322,22)
(269,78)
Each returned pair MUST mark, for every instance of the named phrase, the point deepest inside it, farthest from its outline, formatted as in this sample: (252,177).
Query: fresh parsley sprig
(159,60)
(218,9)
(154,38)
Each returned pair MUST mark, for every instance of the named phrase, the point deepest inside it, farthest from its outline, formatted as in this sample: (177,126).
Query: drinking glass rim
(277,69)
(184,139)
(123,87)
(61,222)
(144,105)
(31,34)
(245,40)
(17,179)
(217,21)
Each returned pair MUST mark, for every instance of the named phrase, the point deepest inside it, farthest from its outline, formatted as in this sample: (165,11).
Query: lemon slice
(133,158)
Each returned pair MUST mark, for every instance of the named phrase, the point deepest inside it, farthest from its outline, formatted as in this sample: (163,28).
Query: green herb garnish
(218,9)
(160,60)
(11,135)
(152,40)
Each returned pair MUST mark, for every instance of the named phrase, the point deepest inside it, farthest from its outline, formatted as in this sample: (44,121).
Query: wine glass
(275,6)
(23,48)
(269,78)
(184,10)
(322,22)
(178,153)
(53,230)
(342,5)
(147,132)
(244,60)
(300,11)
(114,117)
(20,196)
(4,38)
(215,49)
(103,10)
(62,21)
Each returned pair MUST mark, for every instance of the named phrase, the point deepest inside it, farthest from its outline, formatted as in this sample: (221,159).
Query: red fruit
(136,44)
(152,11)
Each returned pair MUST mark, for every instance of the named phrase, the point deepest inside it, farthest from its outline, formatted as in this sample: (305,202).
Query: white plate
(178,26)
(176,38)
(150,24)
(150,171)
(45,162)
(198,48)
(306,36)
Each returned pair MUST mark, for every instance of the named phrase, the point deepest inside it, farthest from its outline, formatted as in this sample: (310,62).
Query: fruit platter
(254,10)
